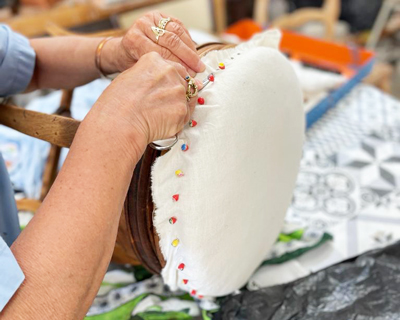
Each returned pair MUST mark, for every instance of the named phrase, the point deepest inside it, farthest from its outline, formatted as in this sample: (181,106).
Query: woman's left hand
(175,44)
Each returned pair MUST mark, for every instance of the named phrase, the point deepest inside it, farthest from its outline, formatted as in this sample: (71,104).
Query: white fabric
(239,171)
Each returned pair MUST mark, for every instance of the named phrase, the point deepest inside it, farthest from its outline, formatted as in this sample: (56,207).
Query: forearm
(65,250)
(68,62)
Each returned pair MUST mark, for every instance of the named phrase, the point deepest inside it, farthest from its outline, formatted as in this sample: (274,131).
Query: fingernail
(199,84)
(201,66)
(192,73)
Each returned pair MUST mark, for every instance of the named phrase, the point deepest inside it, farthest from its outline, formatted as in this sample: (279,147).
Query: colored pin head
(181,267)
(192,123)
(179,173)
(200,100)
(211,77)
(172,220)
(185,281)
(185,147)
(221,66)
(175,242)
(175,197)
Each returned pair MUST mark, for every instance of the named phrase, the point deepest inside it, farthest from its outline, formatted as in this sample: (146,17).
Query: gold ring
(192,89)
(163,23)
(158,32)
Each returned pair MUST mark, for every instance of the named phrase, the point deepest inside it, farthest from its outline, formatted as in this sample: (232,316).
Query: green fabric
(207,315)
(297,253)
(121,313)
(157,315)
(114,285)
(288,246)
(296,235)
(141,273)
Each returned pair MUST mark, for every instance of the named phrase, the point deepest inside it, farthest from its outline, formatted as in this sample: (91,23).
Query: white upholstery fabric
(239,171)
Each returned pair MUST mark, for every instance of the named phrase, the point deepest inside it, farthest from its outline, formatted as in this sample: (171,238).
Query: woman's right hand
(148,101)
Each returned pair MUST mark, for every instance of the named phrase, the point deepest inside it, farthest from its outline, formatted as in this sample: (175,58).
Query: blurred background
(342,21)
(346,202)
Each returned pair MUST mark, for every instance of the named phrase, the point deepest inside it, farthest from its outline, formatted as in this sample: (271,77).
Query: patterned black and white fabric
(348,184)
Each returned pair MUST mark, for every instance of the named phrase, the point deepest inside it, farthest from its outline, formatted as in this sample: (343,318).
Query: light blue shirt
(11,275)
(17,62)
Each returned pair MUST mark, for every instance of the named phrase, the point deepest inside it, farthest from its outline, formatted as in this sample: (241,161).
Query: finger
(149,45)
(173,43)
(177,27)
(175,20)
(191,104)
(180,32)
(180,69)
(183,74)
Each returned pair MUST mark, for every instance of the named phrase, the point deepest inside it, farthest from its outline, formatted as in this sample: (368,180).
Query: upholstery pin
(221,66)
(200,100)
(211,77)
(175,243)
(181,267)
(192,123)
(185,281)
(179,173)
(172,220)
(175,197)
(185,147)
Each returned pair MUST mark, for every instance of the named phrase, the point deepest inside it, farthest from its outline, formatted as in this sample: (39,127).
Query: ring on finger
(162,24)
(158,32)
(192,88)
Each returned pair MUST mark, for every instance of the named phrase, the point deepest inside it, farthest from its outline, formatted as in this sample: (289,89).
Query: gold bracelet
(97,59)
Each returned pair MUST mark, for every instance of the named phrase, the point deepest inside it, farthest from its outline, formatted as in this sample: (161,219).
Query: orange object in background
(351,61)
(339,58)
(244,29)
(345,59)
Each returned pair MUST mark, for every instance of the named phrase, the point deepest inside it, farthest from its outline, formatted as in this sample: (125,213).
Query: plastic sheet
(364,288)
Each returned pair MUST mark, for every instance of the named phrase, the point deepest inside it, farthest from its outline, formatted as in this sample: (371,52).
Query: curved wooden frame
(137,241)
(327,14)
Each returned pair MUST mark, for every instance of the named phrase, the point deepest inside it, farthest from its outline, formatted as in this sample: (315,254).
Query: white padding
(239,171)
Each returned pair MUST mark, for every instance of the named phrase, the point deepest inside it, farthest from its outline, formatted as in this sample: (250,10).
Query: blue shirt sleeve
(11,275)
(17,62)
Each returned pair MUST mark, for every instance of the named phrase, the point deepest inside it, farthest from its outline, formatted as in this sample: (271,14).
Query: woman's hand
(147,102)
(175,45)
(77,224)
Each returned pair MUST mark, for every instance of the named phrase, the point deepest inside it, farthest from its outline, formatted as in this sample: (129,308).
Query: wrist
(123,135)
(110,57)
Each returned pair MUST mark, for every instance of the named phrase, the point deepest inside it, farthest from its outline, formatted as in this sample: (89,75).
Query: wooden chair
(31,123)
(69,15)
(328,15)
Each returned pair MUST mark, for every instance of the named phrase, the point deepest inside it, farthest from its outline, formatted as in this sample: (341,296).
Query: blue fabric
(17,62)
(11,275)
(9,223)
(25,156)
